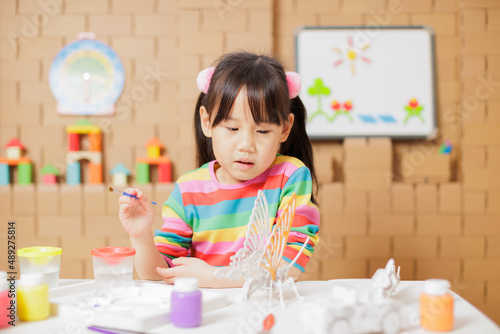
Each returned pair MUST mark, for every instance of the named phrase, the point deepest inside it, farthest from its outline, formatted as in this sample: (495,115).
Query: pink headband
(205,76)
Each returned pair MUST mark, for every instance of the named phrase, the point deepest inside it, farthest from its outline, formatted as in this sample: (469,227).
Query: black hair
(267,92)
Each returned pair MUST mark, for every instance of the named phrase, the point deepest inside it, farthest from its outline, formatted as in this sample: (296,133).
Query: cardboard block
(474,202)
(415,247)
(71,199)
(337,269)
(426,198)
(481,270)
(481,225)
(393,224)
(59,226)
(402,197)
(94,199)
(456,248)
(435,225)
(367,247)
(450,197)
(48,199)
(447,269)
(331,197)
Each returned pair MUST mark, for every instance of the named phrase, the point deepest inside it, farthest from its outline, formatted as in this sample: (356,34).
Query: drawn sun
(351,54)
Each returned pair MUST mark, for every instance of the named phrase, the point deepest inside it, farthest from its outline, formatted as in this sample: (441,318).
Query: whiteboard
(362,81)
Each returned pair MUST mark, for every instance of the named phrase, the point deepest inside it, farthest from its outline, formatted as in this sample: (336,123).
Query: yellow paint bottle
(436,306)
(32,298)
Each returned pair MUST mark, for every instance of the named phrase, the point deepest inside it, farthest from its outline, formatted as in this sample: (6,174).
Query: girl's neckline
(211,169)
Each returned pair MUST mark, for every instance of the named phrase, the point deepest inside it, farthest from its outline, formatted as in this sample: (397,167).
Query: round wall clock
(86,77)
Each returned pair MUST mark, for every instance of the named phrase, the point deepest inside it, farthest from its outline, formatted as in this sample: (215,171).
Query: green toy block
(142,173)
(24,173)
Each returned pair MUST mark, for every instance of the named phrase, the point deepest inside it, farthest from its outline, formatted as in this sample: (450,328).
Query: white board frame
(358,86)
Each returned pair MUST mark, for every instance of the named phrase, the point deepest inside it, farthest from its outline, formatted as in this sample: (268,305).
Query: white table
(247,316)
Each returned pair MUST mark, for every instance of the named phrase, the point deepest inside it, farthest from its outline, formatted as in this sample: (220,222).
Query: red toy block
(165,172)
(49,179)
(74,142)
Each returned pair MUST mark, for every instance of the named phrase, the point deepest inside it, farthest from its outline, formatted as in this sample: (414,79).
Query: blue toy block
(73,173)
(4,174)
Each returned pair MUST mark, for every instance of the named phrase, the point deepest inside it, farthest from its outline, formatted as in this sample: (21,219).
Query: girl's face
(242,148)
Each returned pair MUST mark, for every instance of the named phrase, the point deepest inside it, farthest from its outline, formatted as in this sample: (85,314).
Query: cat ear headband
(205,76)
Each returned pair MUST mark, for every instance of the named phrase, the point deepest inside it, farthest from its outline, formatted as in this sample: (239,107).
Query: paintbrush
(113,190)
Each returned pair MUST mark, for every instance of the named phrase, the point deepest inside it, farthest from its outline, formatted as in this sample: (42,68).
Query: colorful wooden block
(14,162)
(74,142)
(50,174)
(83,126)
(120,174)
(73,176)
(95,142)
(13,153)
(24,172)
(49,179)
(154,146)
(95,173)
(14,149)
(165,172)
(4,174)
(142,173)
(153,151)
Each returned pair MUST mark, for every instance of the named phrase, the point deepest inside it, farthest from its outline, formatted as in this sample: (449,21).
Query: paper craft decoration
(386,73)
(259,261)
(86,77)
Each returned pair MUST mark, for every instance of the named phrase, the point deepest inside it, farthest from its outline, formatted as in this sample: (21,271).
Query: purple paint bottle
(186,303)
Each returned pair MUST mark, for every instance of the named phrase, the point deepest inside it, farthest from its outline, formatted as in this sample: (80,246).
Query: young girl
(250,136)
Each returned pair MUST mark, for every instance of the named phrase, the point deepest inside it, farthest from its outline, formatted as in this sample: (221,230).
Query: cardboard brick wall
(436,215)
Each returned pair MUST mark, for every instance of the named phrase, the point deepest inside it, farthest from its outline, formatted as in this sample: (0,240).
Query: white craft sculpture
(386,280)
(348,310)
(259,262)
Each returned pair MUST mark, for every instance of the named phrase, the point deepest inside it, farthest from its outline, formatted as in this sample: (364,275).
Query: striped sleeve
(173,240)
(306,220)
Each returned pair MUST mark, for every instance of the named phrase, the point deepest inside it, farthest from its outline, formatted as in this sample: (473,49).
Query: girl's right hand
(136,215)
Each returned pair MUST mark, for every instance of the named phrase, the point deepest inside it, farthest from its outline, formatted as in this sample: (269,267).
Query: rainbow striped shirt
(208,220)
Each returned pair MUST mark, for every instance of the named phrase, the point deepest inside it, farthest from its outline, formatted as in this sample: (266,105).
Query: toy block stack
(154,158)
(14,157)
(75,154)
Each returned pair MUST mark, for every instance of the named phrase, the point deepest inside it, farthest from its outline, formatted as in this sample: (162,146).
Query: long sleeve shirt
(208,220)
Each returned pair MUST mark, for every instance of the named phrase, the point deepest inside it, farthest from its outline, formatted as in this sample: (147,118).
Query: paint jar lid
(436,286)
(36,252)
(186,284)
(31,279)
(113,251)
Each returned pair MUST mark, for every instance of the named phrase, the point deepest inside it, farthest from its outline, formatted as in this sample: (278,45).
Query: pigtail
(204,151)
(298,144)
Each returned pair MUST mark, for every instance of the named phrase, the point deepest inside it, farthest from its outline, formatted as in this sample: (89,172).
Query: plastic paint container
(44,260)
(113,266)
(436,306)
(33,298)
(186,303)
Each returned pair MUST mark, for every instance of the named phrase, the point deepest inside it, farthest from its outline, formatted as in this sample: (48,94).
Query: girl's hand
(189,267)
(136,215)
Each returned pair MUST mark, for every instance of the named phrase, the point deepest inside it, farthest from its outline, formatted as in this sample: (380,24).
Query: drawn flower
(335,105)
(348,105)
(413,103)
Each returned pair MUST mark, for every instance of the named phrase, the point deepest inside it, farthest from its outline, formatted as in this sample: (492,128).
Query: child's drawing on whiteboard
(414,110)
(318,90)
(351,53)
